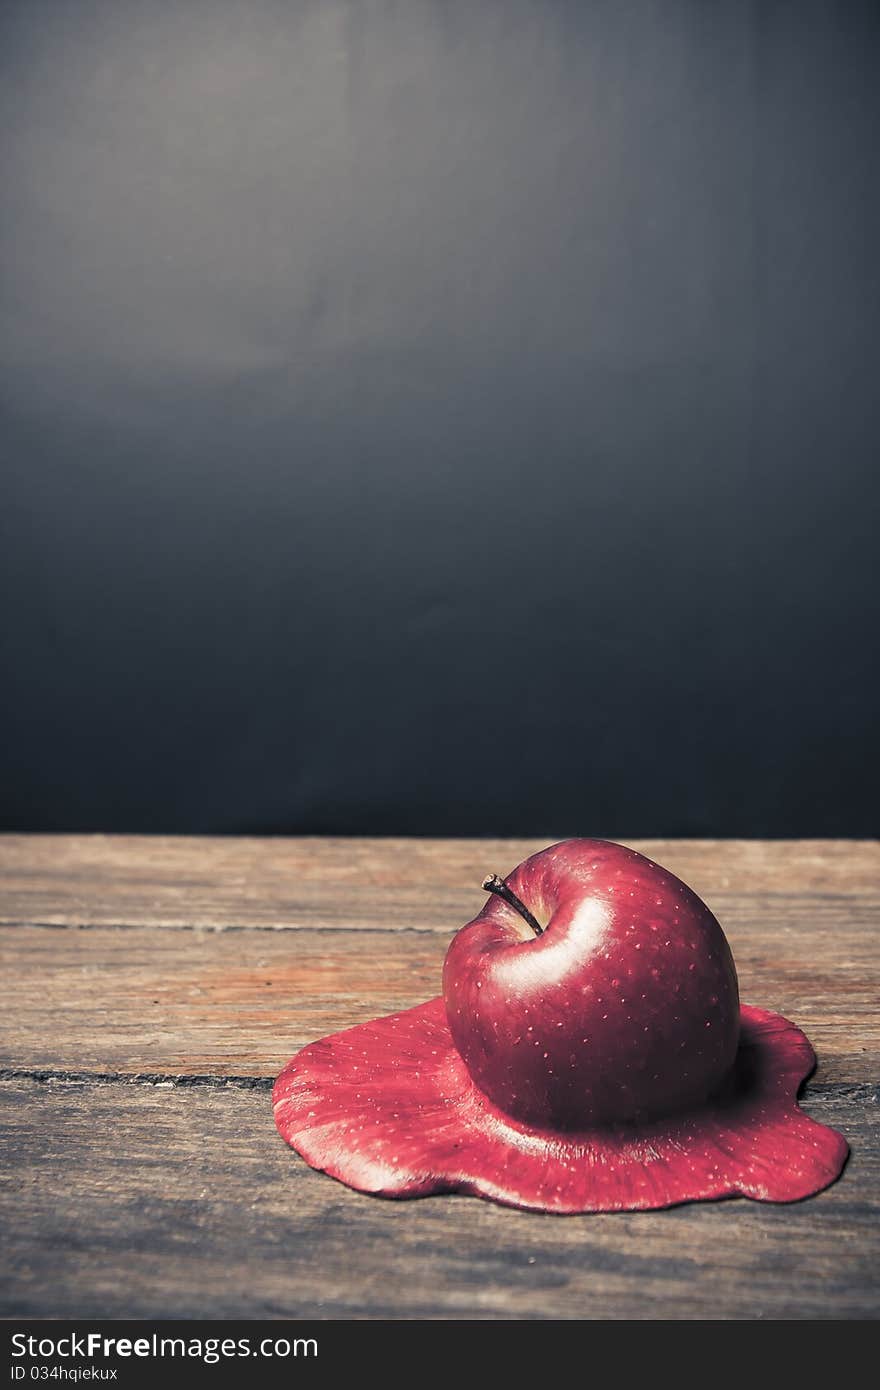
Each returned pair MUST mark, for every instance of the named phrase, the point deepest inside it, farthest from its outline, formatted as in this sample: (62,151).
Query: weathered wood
(420,885)
(152,1201)
(241,1002)
(215,959)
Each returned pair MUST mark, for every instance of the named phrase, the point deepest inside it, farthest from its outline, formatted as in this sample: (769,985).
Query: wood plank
(210,959)
(230,1003)
(240,1003)
(158,1201)
(419,885)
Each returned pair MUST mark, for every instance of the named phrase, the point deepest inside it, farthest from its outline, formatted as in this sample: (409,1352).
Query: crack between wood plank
(828,1091)
(220,927)
(142,1078)
(861,901)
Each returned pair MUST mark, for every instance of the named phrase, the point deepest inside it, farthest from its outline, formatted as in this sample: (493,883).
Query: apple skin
(624,1009)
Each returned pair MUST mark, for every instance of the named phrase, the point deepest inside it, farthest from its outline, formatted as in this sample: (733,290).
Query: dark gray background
(444,416)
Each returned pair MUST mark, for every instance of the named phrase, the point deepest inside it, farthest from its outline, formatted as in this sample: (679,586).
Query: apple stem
(494,884)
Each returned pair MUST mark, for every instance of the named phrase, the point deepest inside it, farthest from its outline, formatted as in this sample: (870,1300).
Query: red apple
(589,1054)
(623,1008)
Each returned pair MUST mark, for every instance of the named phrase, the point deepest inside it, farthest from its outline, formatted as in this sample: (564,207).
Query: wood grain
(203,964)
(416,885)
(242,1002)
(151,1201)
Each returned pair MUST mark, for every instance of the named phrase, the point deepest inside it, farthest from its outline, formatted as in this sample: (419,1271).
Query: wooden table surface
(153,987)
